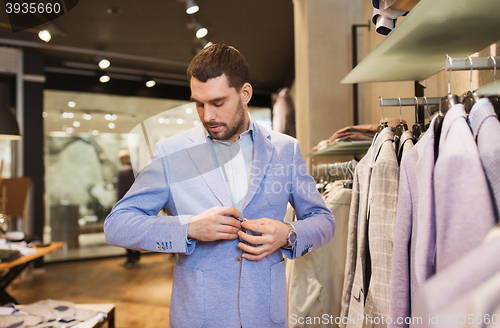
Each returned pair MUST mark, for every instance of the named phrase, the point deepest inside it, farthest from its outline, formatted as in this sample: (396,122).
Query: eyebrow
(212,100)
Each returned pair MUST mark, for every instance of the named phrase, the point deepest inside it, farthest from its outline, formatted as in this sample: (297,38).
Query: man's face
(221,108)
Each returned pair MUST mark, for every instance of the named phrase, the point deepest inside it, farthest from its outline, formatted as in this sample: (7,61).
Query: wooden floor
(141,295)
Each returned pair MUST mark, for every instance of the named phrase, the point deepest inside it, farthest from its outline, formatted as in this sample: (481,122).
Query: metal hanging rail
(471,63)
(420,101)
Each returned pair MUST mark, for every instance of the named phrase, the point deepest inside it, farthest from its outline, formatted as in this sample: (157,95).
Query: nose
(208,114)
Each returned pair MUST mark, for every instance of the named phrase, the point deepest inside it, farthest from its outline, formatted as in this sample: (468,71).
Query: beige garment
(369,258)
(316,280)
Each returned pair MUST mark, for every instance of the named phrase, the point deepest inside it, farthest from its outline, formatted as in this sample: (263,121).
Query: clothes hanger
(471,97)
(383,124)
(417,128)
(401,127)
(446,103)
(347,166)
(495,99)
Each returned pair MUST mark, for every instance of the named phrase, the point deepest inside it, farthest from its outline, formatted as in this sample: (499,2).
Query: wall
(322,59)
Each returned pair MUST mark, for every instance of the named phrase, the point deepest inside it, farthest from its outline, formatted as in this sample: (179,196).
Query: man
(217,180)
(125,180)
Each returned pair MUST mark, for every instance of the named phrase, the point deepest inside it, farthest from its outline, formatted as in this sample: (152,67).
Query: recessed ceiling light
(150,83)
(44,35)
(180,121)
(95,132)
(70,130)
(189,110)
(87,117)
(111,125)
(161,120)
(167,121)
(76,124)
(44,114)
(104,63)
(104,79)
(72,104)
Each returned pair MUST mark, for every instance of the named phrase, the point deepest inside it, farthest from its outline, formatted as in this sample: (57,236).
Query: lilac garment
(414,231)
(445,292)
(486,130)
(464,210)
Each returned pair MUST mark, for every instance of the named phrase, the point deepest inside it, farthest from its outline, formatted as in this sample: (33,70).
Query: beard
(229,129)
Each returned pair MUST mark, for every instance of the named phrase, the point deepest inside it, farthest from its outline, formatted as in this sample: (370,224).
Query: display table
(17,266)
(108,308)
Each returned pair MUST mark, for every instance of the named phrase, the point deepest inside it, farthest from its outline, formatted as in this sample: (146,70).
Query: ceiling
(150,37)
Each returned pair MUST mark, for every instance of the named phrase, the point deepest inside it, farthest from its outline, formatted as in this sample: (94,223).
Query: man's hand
(215,224)
(273,236)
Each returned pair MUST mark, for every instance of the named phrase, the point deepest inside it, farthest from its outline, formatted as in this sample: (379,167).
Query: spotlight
(104,63)
(104,79)
(191,7)
(45,35)
(150,83)
(201,32)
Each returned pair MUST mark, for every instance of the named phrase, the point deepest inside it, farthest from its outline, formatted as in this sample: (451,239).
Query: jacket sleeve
(133,222)
(315,225)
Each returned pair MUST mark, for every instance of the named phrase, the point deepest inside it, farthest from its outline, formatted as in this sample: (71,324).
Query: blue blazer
(213,286)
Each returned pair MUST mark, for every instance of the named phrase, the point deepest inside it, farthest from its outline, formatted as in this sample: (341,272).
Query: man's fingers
(251,257)
(256,240)
(230,210)
(256,250)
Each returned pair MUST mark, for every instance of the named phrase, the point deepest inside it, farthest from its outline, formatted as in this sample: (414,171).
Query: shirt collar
(250,131)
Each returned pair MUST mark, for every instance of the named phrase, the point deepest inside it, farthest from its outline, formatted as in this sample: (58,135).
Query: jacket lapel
(203,156)
(262,154)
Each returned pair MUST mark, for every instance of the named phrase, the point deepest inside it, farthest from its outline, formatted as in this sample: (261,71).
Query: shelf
(417,47)
(344,148)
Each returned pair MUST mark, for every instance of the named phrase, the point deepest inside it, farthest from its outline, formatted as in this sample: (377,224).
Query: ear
(246,93)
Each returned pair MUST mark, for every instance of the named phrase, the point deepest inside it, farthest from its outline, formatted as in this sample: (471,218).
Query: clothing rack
(471,63)
(343,169)
(420,101)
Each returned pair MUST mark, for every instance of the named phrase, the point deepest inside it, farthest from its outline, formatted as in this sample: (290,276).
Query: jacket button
(238,259)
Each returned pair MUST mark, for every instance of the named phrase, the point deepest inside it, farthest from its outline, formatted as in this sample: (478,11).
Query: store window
(83,134)
(5,158)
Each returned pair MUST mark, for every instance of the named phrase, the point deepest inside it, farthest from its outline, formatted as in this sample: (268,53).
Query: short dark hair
(218,59)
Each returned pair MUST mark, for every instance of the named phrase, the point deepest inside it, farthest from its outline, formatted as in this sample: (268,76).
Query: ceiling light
(201,32)
(95,132)
(180,121)
(70,130)
(161,120)
(9,129)
(167,121)
(133,118)
(45,35)
(113,117)
(191,7)
(150,83)
(196,122)
(208,44)
(104,79)
(72,104)
(111,125)
(104,63)
(76,124)
(189,110)
(87,116)
(44,114)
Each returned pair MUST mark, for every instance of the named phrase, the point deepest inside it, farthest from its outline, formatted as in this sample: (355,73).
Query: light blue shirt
(235,162)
